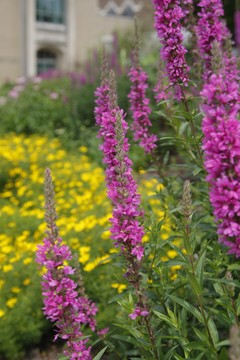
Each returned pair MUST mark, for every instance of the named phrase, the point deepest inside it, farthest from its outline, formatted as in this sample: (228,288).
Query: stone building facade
(38,35)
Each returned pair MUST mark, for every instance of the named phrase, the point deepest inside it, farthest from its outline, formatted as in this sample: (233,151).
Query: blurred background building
(39,35)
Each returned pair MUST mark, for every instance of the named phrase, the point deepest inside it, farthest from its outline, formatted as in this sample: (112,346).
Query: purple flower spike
(102,97)
(122,189)
(221,146)
(141,110)
(62,303)
(168,15)
(210,28)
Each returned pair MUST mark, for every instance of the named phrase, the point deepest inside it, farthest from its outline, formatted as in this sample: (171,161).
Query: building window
(128,11)
(46,60)
(51,11)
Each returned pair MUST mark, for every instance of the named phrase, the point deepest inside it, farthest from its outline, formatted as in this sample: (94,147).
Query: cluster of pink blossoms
(102,104)
(126,230)
(168,15)
(210,27)
(63,305)
(122,189)
(140,109)
(221,146)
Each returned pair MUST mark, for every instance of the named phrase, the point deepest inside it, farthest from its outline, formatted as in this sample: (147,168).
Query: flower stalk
(63,305)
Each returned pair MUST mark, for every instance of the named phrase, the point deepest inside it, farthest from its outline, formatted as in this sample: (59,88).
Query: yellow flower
(2,313)
(7,268)
(106,235)
(83,149)
(26,281)
(145,238)
(11,302)
(84,254)
(6,249)
(27,261)
(15,289)
(172,254)
(119,287)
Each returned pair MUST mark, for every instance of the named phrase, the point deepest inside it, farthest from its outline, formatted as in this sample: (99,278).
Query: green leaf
(223,343)
(224,354)
(197,170)
(135,333)
(196,345)
(200,355)
(194,284)
(200,335)
(167,319)
(178,357)
(200,267)
(213,331)
(234,267)
(169,354)
(218,288)
(100,354)
(188,307)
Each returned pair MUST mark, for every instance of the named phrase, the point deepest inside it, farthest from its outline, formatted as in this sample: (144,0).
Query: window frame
(49,15)
(46,60)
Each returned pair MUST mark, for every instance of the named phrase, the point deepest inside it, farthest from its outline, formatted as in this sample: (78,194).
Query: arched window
(51,11)
(46,60)
(128,11)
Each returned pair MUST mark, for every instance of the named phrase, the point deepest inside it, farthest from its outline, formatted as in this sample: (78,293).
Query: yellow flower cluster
(81,204)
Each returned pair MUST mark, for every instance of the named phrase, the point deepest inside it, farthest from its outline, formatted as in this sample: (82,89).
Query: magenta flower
(140,109)
(221,145)
(168,15)
(210,28)
(126,230)
(102,98)
(138,312)
(122,189)
(62,303)
(102,105)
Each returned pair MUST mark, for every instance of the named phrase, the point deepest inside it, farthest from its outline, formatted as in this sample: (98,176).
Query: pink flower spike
(141,110)
(168,15)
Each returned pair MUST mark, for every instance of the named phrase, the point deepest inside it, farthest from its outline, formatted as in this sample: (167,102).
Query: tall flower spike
(102,95)
(139,102)
(126,230)
(187,201)
(162,89)
(221,145)
(62,304)
(168,15)
(210,27)
(122,189)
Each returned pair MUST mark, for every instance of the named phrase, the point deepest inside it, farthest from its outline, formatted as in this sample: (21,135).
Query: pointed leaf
(188,307)
(100,354)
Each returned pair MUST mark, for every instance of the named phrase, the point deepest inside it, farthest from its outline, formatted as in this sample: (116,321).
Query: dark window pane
(46,60)
(128,11)
(51,11)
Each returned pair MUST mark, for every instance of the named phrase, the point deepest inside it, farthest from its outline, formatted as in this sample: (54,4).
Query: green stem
(151,337)
(193,132)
